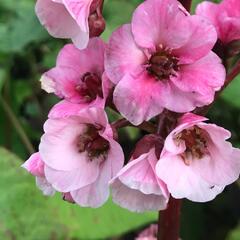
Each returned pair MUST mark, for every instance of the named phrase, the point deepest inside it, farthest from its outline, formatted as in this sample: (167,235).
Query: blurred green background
(26,51)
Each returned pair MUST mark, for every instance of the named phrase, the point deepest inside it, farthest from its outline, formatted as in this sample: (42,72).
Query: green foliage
(234,235)
(231,93)
(21,28)
(27,215)
(26,51)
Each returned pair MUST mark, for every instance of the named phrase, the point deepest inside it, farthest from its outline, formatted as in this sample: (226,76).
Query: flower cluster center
(90,87)
(195,142)
(163,64)
(91,142)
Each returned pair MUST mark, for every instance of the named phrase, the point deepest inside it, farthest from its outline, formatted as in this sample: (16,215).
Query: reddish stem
(169,221)
(187,4)
(234,72)
(145,126)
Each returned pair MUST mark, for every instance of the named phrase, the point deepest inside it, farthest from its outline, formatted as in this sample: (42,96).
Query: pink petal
(182,182)
(96,194)
(138,180)
(122,54)
(225,17)
(45,186)
(66,181)
(150,28)
(79,10)
(139,174)
(71,57)
(137,97)
(35,165)
(230,29)
(135,200)
(204,77)
(66,109)
(177,100)
(58,149)
(55,17)
(222,165)
(201,38)
(71,66)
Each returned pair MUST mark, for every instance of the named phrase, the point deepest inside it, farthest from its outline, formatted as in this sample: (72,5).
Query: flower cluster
(157,72)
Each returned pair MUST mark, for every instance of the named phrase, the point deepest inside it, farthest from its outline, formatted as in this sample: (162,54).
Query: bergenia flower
(197,162)
(80,154)
(74,19)
(225,16)
(78,76)
(136,187)
(163,60)
(35,166)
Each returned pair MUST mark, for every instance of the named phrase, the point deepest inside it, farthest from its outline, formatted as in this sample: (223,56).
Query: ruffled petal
(66,181)
(159,22)
(56,19)
(137,97)
(183,182)
(122,54)
(203,77)
(135,200)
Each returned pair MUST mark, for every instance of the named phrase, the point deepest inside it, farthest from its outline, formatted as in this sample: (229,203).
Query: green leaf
(27,215)
(21,28)
(231,93)
(234,235)
(116,18)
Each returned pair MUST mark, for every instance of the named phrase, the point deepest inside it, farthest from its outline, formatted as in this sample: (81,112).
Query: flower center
(163,64)
(90,87)
(195,142)
(93,143)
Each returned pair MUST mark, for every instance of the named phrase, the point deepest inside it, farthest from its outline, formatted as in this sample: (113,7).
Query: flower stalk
(169,221)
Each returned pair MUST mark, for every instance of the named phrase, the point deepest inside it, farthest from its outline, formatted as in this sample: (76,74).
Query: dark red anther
(90,87)
(162,64)
(92,142)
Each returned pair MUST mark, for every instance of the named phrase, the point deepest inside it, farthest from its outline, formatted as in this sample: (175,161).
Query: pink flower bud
(136,187)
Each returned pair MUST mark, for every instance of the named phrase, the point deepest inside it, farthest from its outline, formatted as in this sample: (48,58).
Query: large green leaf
(27,215)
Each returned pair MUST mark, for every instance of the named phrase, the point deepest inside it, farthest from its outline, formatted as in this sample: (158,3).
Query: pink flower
(197,162)
(78,76)
(136,187)
(163,60)
(35,166)
(149,233)
(80,154)
(225,17)
(71,19)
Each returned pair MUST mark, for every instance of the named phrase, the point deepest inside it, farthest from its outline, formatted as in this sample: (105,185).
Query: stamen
(163,64)
(90,87)
(195,142)
(91,142)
